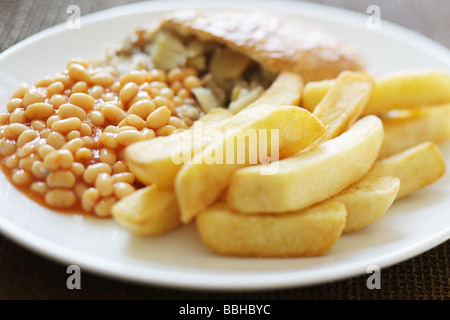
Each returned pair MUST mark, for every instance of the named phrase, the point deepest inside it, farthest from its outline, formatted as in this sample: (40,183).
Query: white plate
(179,259)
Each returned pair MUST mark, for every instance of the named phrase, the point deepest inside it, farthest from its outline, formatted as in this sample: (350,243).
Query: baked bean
(33,95)
(25,151)
(133,121)
(79,87)
(84,154)
(158,118)
(61,179)
(142,108)
(128,92)
(57,100)
(158,75)
(88,142)
(148,133)
(142,95)
(45,150)
(79,189)
(108,97)
(65,80)
(56,140)
(177,123)
(66,125)
(83,101)
(21,177)
(97,91)
(176,86)
(191,82)
(177,101)
(74,134)
(39,170)
(165,130)
(7,147)
(14,130)
(103,207)
(123,189)
(18,116)
(167,93)
(21,90)
(85,129)
(108,139)
(77,169)
(104,184)
(97,118)
(92,171)
(55,88)
(104,79)
(128,137)
(58,159)
(60,198)
(89,199)
(27,162)
(13,104)
(38,125)
(112,113)
(25,137)
(115,87)
(39,187)
(108,156)
(135,76)
(40,111)
(73,145)
(120,167)
(127,177)
(160,101)
(68,110)
(175,74)
(78,72)
(52,119)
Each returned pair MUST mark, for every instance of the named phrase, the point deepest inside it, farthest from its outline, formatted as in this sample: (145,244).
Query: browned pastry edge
(276,42)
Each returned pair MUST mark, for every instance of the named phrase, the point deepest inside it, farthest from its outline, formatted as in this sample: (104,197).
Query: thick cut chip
(367,201)
(344,103)
(308,177)
(148,211)
(266,134)
(155,160)
(309,232)
(416,167)
(159,160)
(400,90)
(406,128)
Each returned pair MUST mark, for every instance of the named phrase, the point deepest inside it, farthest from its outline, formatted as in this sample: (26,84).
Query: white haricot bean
(112,113)
(127,177)
(123,189)
(74,145)
(68,110)
(128,137)
(39,170)
(39,111)
(7,147)
(89,199)
(61,179)
(104,184)
(92,171)
(56,140)
(82,100)
(60,198)
(39,187)
(25,137)
(108,156)
(59,159)
(21,177)
(77,169)
(66,125)
(103,207)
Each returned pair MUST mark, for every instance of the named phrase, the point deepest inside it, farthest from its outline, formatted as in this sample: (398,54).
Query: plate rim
(33,242)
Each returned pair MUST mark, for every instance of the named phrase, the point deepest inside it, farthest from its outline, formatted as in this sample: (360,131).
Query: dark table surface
(26,275)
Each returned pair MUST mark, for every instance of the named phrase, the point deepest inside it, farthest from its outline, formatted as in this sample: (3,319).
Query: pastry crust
(276,42)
